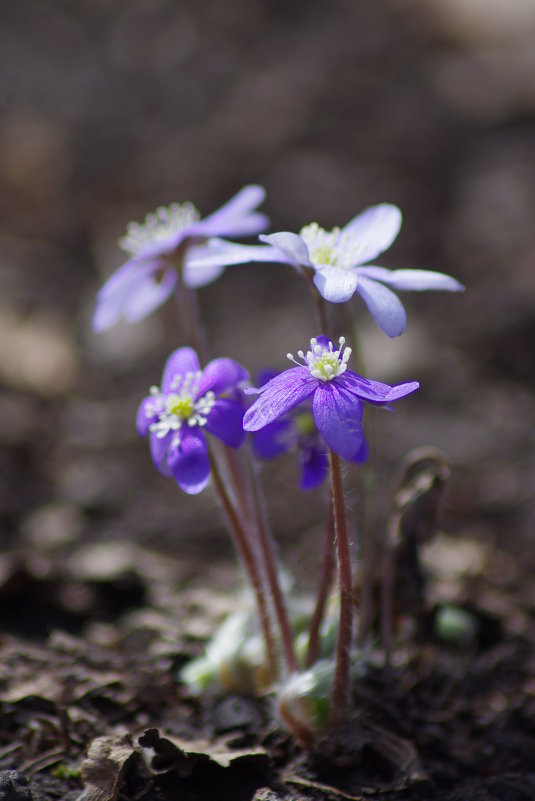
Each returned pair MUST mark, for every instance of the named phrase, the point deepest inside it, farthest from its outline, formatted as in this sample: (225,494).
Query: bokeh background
(109,109)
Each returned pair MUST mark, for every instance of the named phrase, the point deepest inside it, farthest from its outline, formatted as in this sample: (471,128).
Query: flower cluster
(314,407)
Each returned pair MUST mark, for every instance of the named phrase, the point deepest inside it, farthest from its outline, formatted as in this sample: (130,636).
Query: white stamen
(159,226)
(177,407)
(324,363)
(334,248)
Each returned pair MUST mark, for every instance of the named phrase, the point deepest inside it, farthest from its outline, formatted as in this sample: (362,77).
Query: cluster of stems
(241,498)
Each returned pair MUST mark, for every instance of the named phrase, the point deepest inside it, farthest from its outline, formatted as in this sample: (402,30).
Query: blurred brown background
(109,109)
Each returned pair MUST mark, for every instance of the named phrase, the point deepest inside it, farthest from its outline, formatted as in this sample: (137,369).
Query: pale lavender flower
(190,402)
(339,259)
(149,277)
(336,394)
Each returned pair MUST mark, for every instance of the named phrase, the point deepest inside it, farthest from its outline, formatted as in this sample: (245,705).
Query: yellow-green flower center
(322,244)
(180,405)
(322,360)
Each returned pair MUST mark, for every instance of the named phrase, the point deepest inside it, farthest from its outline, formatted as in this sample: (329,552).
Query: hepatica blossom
(296,431)
(336,395)
(148,277)
(340,260)
(189,402)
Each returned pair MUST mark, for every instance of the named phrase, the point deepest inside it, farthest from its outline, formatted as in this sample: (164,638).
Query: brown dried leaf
(103,771)
(184,755)
(413,522)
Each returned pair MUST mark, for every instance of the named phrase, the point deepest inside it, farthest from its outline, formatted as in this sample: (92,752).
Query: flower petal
(121,291)
(385,307)
(148,295)
(375,391)
(375,229)
(225,421)
(336,284)
(204,261)
(220,375)
(338,415)
(180,362)
(159,447)
(291,246)
(273,440)
(278,396)
(189,462)
(236,217)
(413,280)
(361,455)
(143,419)
(196,275)
(314,468)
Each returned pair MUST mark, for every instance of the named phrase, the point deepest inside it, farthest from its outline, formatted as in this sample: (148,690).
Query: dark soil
(110,579)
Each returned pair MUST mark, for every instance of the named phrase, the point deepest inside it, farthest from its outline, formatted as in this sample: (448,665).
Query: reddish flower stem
(249,501)
(249,563)
(326,574)
(268,552)
(190,321)
(341,694)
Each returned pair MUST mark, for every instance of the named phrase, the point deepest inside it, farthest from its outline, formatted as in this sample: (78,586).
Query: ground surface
(111,109)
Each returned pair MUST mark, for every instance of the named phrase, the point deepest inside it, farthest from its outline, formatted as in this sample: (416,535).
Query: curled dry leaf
(413,522)
(183,755)
(104,769)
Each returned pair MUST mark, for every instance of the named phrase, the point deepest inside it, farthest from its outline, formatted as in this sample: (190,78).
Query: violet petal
(361,455)
(375,229)
(385,307)
(314,468)
(338,415)
(143,420)
(336,284)
(188,460)
(237,217)
(147,295)
(159,447)
(225,421)
(180,362)
(291,246)
(412,280)
(375,391)
(199,275)
(114,295)
(273,440)
(278,396)
(220,375)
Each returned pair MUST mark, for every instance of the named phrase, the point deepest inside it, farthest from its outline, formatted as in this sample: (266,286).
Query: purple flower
(339,257)
(297,431)
(148,278)
(336,394)
(188,403)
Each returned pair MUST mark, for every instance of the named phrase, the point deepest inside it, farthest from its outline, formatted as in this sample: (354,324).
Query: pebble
(14,786)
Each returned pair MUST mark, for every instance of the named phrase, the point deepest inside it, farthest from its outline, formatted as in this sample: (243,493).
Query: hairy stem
(326,574)
(190,321)
(270,563)
(341,695)
(250,565)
